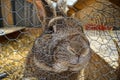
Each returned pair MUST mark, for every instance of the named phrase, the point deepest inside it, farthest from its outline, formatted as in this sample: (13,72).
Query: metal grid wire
(38,41)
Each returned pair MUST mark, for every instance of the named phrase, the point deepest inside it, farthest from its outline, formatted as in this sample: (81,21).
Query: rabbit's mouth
(77,67)
(61,68)
(75,63)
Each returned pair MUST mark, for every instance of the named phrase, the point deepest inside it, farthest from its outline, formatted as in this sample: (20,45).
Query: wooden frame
(6,10)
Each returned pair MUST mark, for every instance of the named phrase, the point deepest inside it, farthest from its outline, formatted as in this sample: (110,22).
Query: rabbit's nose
(78,55)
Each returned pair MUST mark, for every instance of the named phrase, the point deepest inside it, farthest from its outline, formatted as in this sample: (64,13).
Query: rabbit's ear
(54,24)
(51,29)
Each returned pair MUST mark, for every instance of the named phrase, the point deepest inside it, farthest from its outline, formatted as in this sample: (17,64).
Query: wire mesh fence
(59,40)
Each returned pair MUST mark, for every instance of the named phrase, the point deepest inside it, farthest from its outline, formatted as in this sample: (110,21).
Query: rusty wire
(101,14)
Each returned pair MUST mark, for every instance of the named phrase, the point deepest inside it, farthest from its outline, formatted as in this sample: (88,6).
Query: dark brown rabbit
(60,53)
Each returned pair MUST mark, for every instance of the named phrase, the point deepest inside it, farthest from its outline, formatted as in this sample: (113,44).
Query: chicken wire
(14,49)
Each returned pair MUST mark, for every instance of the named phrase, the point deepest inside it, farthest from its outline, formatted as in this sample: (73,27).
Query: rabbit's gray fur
(59,55)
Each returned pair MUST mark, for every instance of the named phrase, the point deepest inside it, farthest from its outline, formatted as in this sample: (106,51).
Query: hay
(13,53)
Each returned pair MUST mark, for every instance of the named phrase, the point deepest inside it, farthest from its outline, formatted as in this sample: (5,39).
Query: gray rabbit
(60,53)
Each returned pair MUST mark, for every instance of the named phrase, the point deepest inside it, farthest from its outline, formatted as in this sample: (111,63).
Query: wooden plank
(7,12)
(1,21)
(79,5)
(7,30)
(31,1)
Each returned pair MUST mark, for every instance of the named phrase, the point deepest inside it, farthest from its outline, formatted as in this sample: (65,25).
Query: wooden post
(1,20)
(7,12)
(80,4)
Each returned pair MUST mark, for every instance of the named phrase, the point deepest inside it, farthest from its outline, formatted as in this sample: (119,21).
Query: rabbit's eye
(50,30)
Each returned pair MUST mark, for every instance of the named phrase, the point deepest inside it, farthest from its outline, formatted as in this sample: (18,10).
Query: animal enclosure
(59,40)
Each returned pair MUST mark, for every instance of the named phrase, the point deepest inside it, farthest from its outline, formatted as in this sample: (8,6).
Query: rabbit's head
(68,46)
(71,53)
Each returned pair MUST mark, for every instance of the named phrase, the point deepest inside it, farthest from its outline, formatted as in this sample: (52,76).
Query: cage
(37,35)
